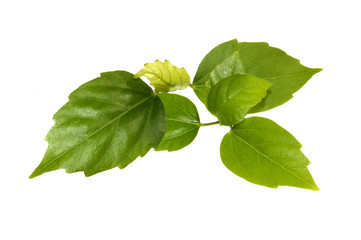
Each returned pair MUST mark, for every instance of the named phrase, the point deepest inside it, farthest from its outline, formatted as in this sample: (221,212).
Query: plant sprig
(112,120)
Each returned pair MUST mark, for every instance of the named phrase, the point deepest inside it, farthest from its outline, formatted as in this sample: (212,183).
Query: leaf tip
(317,70)
(34,174)
(314,187)
(88,173)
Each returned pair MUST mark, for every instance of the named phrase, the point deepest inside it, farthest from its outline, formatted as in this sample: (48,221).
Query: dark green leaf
(108,122)
(259,59)
(231,98)
(182,122)
(264,153)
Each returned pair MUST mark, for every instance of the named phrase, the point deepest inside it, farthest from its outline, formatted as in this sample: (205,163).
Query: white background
(49,48)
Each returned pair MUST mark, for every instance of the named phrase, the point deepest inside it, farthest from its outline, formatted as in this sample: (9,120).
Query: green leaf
(214,58)
(217,57)
(182,122)
(231,98)
(164,76)
(230,66)
(107,122)
(264,153)
(285,73)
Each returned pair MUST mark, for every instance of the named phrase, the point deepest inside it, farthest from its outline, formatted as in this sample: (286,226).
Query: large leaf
(108,122)
(182,122)
(264,153)
(285,72)
(164,76)
(232,98)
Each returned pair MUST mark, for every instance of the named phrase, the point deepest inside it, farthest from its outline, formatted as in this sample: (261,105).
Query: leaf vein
(97,99)
(287,75)
(183,133)
(182,121)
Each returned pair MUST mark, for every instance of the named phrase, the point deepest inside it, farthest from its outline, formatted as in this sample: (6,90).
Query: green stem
(208,124)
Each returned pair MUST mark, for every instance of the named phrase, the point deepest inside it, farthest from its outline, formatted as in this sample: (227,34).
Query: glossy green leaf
(264,153)
(107,122)
(214,58)
(219,56)
(182,122)
(232,98)
(164,76)
(230,66)
(259,59)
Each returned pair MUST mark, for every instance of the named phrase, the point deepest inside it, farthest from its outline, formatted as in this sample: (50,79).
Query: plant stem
(208,124)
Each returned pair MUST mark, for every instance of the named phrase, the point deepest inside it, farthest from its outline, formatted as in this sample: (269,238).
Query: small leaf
(182,122)
(231,98)
(285,73)
(108,122)
(165,77)
(264,153)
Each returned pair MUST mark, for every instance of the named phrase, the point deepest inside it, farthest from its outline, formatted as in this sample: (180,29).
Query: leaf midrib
(182,121)
(287,75)
(183,133)
(187,113)
(160,78)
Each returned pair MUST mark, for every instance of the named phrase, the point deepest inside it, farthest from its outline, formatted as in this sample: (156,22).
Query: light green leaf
(231,98)
(264,153)
(164,76)
(182,122)
(259,59)
(108,122)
